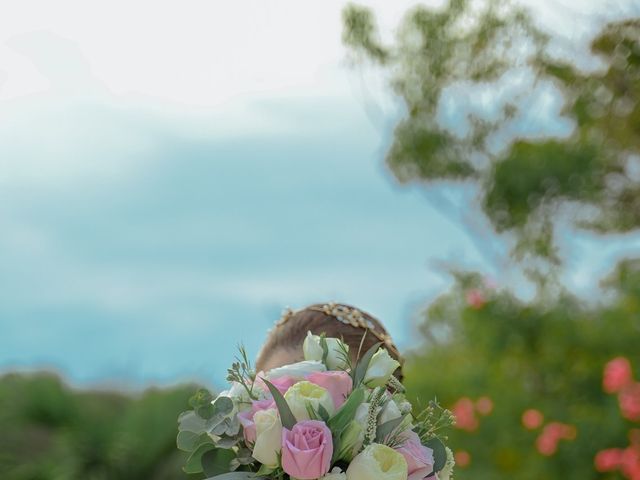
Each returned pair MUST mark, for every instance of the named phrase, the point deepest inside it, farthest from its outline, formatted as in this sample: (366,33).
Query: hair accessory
(287,313)
(348,316)
(355,318)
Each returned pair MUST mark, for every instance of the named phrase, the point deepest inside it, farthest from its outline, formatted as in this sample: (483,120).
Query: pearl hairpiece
(348,316)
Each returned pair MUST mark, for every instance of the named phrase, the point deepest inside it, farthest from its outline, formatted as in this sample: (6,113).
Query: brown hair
(359,334)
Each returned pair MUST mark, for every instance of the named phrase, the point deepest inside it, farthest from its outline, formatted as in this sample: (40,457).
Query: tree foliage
(51,432)
(591,175)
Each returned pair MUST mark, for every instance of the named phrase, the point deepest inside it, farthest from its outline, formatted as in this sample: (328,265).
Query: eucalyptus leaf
(363,364)
(217,461)
(188,441)
(439,453)
(190,422)
(194,462)
(222,406)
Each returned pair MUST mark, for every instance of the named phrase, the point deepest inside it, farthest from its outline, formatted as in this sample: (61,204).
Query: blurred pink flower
(617,375)
(463,409)
(475,299)
(629,401)
(463,458)
(547,441)
(608,460)
(630,462)
(484,405)
(532,419)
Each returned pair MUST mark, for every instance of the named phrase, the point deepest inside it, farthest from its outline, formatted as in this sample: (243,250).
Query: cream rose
(378,462)
(306,393)
(268,437)
(312,348)
(380,369)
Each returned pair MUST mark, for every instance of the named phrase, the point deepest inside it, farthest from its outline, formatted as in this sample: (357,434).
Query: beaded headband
(347,316)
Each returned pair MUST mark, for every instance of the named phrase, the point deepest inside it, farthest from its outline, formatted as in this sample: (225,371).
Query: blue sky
(162,200)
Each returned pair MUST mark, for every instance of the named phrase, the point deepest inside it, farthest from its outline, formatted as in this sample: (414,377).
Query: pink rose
(339,384)
(419,458)
(306,450)
(246,418)
(281,383)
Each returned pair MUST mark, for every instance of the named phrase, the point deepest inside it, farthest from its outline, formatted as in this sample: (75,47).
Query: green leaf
(347,412)
(323,414)
(363,364)
(264,470)
(325,348)
(189,421)
(286,416)
(439,453)
(217,462)
(222,406)
(194,462)
(188,441)
(386,428)
(201,398)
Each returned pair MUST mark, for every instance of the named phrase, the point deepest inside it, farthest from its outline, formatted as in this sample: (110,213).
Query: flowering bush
(618,378)
(525,378)
(322,418)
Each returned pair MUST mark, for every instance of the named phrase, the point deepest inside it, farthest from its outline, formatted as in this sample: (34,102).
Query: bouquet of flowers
(321,418)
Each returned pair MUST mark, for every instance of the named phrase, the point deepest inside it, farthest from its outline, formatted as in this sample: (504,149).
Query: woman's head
(358,329)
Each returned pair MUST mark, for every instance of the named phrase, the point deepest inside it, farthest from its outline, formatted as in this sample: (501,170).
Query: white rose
(268,437)
(389,412)
(447,470)
(312,349)
(380,369)
(335,474)
(297,370)
(306,393)
(378,462)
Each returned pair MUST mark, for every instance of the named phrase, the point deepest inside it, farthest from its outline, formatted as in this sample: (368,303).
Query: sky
(174,174)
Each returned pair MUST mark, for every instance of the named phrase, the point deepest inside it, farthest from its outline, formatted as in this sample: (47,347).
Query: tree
(590,176)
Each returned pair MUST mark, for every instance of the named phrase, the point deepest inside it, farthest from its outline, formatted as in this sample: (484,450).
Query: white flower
(312,348)
(304,394)
(378,462)
(268,437)
(335,474)
(380,369)
(447,470)
(297,370)
(389,412)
